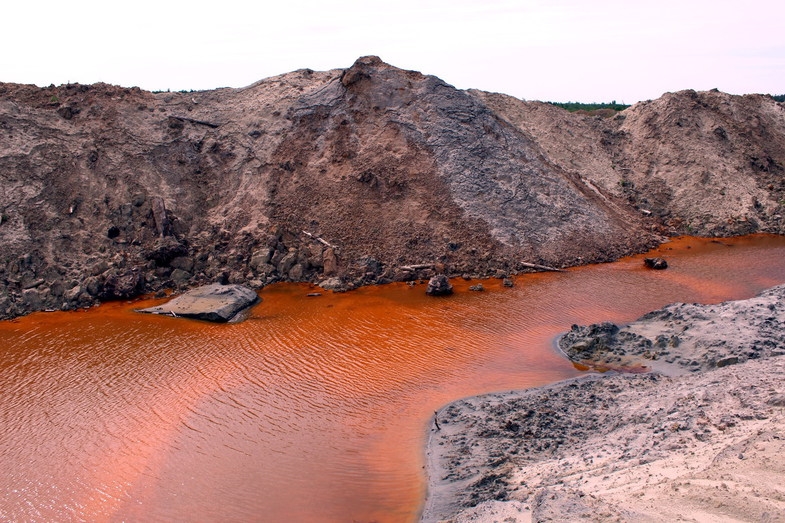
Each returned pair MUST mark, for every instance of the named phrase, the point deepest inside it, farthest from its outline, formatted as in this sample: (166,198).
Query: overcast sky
(558,50)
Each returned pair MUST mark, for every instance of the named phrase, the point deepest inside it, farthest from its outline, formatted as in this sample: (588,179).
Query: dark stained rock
(166,250)
(730,360)
(218,303)
(183,262)
(655,263)
(180,276)
(122,285)
(439,285)
(478,288)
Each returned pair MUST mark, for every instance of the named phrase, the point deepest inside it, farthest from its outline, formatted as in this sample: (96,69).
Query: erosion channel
(314,408)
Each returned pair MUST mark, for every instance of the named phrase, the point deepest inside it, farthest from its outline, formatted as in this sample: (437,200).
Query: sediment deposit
(704,443)
(369,174)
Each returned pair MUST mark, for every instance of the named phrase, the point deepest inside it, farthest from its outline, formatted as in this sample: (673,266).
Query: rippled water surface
(314,409)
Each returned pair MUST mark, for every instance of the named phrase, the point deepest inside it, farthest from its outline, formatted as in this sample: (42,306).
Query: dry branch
(540,267)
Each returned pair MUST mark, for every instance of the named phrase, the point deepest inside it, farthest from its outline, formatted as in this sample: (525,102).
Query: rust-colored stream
(314,409)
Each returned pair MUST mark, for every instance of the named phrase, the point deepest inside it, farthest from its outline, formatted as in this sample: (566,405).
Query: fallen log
(541,267)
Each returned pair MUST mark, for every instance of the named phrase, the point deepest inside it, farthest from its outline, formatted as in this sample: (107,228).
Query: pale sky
(558,50)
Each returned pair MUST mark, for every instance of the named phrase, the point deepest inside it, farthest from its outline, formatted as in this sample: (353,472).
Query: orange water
(314,409)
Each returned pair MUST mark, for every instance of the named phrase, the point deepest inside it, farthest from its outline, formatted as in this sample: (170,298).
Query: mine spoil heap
(370,174)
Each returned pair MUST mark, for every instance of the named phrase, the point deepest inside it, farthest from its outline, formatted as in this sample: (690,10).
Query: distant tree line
(577,106)
(778,97)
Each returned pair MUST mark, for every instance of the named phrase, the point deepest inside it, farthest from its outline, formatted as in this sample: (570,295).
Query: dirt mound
(701,163)
(369,174)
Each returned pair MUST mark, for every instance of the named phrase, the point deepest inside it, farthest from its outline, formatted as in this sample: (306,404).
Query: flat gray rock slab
(217,303)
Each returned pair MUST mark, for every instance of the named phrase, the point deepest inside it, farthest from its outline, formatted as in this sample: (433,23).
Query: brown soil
(360,173)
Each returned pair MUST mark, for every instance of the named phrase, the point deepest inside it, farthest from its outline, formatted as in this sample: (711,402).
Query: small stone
(332,284)
(657,264)
(439,285)
(730,360)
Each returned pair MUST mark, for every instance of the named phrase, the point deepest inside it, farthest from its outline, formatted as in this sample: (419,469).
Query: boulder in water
(439,285)
(216,302)
(655,263)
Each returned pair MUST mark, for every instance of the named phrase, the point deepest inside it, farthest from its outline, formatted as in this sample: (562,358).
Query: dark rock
(93,286)
(180,276)
(730,360)
(477,288)
(655,263)
(123,285)
(99,268)
(32,284)
(401,275)
(67,112)
(138,199)
(777,400)
(507,282)
(330,262)
(73,293)
(166,250)
(217,303)
(439,285)
(287,262)
(32,298)
(261,259)
(296,272)
(57,288)
(184,263)
(113,232)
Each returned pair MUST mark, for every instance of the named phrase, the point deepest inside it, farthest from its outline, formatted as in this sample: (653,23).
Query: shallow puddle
(315,408)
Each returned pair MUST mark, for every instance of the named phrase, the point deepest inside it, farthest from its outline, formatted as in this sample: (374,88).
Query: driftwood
(412,268)
(540,267)
(320,240)
(197,122)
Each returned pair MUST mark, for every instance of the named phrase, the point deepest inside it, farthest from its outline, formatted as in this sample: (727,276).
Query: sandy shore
(702,438)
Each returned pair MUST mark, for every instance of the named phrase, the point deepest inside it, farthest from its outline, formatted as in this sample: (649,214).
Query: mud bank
(705,442)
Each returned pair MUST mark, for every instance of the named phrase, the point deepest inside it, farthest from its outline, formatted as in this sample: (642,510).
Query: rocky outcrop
(357,174)
(217,303)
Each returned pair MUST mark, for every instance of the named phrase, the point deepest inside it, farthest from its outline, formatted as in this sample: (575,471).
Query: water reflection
(314,409)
